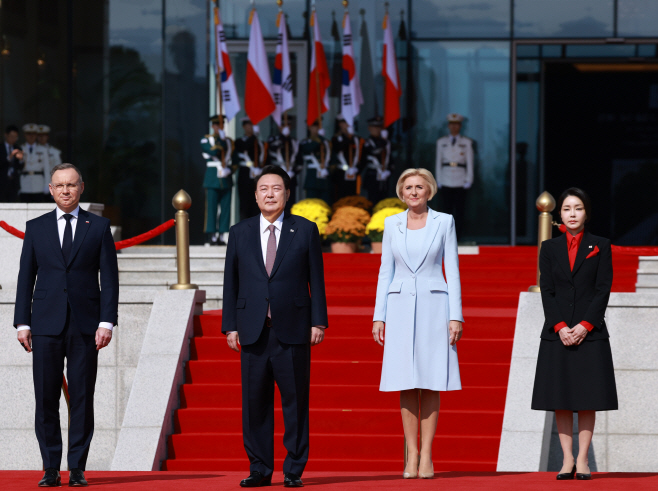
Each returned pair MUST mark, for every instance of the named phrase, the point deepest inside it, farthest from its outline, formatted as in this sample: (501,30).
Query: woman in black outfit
(574,367)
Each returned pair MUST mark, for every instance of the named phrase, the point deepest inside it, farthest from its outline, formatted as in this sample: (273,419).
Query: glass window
(551,51)
(470,78)
(637,17)
(646,50)
(527,51)
(235,17)
(459,19)
(601,50)
(563,18)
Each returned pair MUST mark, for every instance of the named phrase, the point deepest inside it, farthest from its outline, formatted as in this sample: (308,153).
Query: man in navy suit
(67,315)
(11,157)
(275,309)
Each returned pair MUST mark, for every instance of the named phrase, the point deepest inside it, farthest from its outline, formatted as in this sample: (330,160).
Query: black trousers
(289,365)
(246,192)
(81,356)
(454,203)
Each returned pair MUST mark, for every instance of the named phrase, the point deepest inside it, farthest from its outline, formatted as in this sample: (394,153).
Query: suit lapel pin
(291,230)
(88,222)
(589,246)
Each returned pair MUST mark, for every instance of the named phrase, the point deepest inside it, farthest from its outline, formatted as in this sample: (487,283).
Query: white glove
(291,173)
(222,135)
(285,131)
(322,173)
(225,172)
(438,185)
(254,172)
(321,131)
(383,175)
(468,185)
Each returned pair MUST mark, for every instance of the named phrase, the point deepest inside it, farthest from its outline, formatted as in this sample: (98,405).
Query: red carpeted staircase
(354,427)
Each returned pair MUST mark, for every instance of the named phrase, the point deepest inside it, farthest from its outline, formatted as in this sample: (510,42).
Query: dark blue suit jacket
(57,284)
(295,289)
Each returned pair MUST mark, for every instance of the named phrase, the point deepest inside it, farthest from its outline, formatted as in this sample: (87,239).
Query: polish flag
(351,96)
(282,80)
(259,102)
(223,70)
(392,89)
(319,80)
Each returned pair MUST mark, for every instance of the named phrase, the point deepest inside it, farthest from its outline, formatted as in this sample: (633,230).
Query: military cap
(340,118)
(455,118)
(43,129)
(376,121)
(216,118)
(30,128)
(246,120)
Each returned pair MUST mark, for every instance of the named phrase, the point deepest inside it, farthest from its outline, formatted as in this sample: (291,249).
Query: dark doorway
(601,134)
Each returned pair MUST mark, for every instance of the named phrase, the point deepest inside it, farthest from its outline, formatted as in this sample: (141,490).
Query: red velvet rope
(122,244)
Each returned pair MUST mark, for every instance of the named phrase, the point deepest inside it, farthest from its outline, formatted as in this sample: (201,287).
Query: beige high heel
(409,475)
(428,475)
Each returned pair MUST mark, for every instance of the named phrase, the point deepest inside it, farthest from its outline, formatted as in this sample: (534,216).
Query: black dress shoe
(292,481)
(51,479)
(77,478)
(584,477)
(567,475)
(256,480)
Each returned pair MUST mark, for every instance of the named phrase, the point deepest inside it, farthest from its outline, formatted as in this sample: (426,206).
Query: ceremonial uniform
(282,151)
(248,156)
(345,160)
(54,154)
(35,169)
(375,159)
(217,182)
(454,171)
(312,153)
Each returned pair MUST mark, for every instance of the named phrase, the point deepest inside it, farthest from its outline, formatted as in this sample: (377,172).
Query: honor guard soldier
(35,168)
(54,154)
(218,182)
(282,151)
(345,158)
(314,155)
(375,159)
(454,169)
(249,157)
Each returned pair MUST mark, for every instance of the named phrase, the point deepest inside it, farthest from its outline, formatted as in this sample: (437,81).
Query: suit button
(270,280)
(570,305)
(413,294)
(68,270)
(413,275)
(64,290)
(267,299)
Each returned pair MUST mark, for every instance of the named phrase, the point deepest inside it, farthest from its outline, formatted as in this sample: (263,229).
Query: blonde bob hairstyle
(425,174)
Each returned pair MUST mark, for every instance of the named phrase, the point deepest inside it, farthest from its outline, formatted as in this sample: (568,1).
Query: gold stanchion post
(182,202)
(545,204)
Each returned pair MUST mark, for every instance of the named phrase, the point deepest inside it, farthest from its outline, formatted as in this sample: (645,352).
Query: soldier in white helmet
(454,169)
(36,170)
(54,154)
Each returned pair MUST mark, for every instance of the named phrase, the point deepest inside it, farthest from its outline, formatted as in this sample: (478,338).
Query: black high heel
(568,475)
(584,477)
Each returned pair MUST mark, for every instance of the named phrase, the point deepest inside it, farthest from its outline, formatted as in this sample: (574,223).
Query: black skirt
(575,378)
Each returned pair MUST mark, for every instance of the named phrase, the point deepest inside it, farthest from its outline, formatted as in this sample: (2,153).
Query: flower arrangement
(390,203)
(315,210)
(356,201)
(375,228)
(348,224)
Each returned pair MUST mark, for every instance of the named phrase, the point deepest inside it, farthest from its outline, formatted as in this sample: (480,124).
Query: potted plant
(315,210)
(375,228)
(356,201)
(390,203)
(346,228)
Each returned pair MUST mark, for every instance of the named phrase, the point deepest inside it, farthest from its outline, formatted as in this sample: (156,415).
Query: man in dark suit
(10,165)
(67,316)
(272,261)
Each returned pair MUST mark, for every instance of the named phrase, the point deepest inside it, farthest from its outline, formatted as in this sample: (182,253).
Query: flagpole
(317,88)
(386,21)
(350,152)
(218,75)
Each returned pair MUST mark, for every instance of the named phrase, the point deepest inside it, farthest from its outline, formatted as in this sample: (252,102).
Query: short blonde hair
(424,173)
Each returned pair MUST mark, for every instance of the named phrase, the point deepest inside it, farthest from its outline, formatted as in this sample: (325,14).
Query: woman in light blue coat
(419,313)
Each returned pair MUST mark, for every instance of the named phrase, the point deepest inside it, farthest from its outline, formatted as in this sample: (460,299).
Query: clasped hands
(573,336)
(233,339)
(455,327)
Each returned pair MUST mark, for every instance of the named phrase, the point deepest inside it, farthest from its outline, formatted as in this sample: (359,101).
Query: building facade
(555,94)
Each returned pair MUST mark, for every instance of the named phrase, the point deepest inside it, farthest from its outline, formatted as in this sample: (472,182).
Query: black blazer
(6,165)
(581,295)
(75,283)
(297,269)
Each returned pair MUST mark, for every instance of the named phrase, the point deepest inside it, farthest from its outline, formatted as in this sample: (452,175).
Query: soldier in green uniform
(282,150)
(375,159)
(314,154)
(216,150)
(345,159)
(248,157)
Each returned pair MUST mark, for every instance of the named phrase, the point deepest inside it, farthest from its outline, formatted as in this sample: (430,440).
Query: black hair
(581,195)
(11,128)
(64,167)
(274,169)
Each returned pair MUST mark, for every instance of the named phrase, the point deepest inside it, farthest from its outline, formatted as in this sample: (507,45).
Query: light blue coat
(417,304)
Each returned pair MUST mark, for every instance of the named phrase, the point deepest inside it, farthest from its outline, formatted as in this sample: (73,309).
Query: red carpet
(455,481)
(354,427)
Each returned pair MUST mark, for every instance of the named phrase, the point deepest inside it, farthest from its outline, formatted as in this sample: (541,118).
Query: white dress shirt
(61,226)
(265,233)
